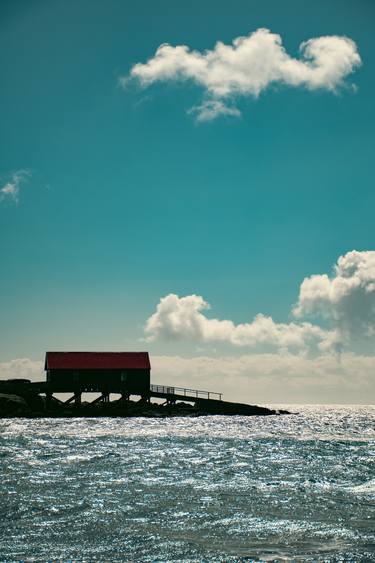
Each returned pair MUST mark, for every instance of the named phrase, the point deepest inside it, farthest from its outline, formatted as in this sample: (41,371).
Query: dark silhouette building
(98,371)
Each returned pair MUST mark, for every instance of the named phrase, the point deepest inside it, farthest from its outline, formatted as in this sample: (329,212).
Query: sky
(196,180)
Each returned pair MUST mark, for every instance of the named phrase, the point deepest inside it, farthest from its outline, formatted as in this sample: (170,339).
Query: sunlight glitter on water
(190,489)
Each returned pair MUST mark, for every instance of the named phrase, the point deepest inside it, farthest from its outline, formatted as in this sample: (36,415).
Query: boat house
(98,371)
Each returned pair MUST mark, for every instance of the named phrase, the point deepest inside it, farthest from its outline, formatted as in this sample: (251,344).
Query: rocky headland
(18,399)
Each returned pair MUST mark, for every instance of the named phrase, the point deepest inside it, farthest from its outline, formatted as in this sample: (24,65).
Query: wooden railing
(192,393)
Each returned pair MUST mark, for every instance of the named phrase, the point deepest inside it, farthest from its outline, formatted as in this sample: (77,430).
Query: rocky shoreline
(18,400)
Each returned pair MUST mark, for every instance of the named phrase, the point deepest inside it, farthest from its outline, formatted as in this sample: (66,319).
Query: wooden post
(49,395)
(125,396)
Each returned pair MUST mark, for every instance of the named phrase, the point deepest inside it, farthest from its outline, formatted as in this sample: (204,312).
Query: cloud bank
(249,66)
(22,368)
(11,190)
(346,301)
(277,378)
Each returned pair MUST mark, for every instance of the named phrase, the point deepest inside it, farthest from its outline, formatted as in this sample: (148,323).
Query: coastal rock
(11,405)
(21,398)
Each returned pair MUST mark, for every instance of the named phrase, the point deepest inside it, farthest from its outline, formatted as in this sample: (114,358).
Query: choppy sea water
(277,488)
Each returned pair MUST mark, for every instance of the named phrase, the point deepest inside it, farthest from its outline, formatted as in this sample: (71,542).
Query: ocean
(215,488)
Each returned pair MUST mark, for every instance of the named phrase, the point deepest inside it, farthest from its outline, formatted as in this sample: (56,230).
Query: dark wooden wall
(135,380)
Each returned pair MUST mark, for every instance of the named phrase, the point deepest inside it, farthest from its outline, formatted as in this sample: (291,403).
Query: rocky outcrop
(17,398)
(12,405)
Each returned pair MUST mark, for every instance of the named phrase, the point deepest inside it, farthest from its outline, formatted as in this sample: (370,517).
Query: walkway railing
(192,393)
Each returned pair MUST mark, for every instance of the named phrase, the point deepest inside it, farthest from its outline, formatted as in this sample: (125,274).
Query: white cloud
(210,109)
(11,190)
(346,302)
(250,65)
(182,318)
(347,299)
(273,378)
(22,368)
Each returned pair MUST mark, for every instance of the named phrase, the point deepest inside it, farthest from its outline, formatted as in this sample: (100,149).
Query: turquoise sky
(130,199)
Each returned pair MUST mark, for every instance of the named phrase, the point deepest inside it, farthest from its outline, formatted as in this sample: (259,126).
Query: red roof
(97,360)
